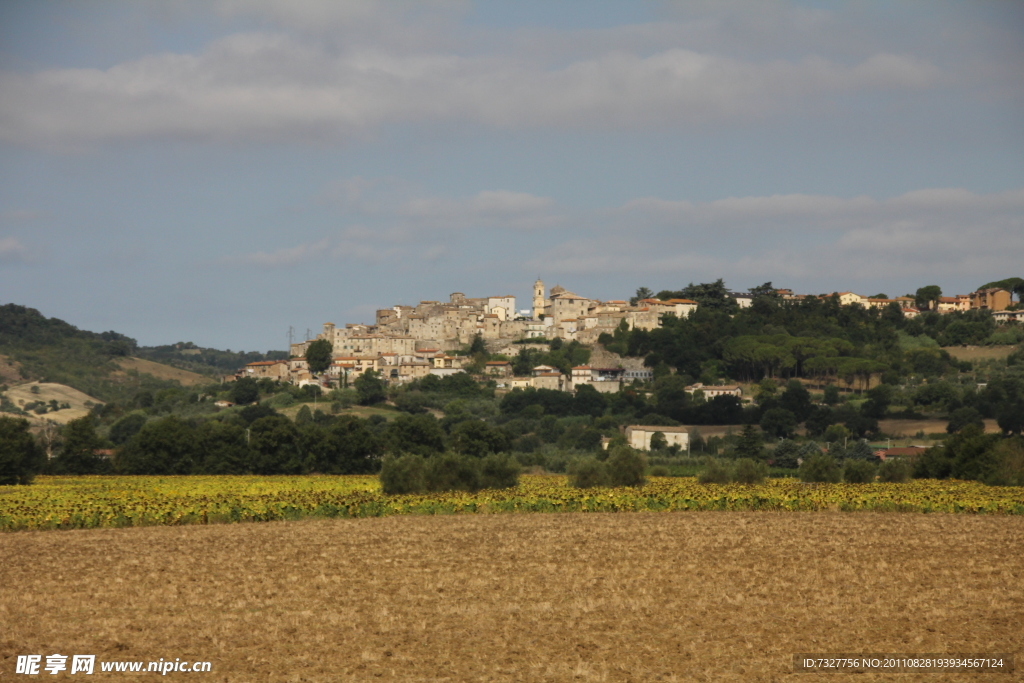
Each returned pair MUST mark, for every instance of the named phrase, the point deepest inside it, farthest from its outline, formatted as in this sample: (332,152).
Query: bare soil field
(979,352)
(908,428)
(161,371)
(711,596)
(50,391)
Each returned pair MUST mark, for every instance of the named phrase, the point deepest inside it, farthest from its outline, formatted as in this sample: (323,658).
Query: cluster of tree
(620,465)
(412,473)
(205,361)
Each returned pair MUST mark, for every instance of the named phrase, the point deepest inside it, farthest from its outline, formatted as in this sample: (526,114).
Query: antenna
(309,333)
(291,333)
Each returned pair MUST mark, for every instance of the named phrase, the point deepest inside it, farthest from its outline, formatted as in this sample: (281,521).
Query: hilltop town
(407,343)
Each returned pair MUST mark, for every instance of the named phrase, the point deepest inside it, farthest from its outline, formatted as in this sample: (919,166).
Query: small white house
(639,436)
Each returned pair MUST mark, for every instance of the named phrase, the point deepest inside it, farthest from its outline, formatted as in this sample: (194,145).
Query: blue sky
(219,171)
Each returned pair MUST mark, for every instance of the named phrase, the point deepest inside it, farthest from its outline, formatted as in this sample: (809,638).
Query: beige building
(639,436)
(992,299)
(273,369)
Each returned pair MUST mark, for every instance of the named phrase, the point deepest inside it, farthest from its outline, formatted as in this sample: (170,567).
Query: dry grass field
(698,596)
(161,371)
(50,391)
(974,353)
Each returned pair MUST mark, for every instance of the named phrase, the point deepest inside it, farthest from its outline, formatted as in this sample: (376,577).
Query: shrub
(859,472)
(659,471)
(405,474)
(450,472)
(820,468)
(715,472)
(499,472)
(894,471)
(588,472)
(626,467)
(749,471)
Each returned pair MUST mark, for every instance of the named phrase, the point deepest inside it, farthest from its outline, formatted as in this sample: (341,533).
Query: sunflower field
(99,501)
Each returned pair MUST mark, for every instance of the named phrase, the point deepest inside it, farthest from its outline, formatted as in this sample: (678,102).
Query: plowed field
(676,596)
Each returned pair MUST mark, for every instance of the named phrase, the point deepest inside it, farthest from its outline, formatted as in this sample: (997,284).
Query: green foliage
(77,454)
(715,472)
(778,423)
(785,454)
(1008,463)
(748,471)
(963,417)
(820,468)
(587,473)
(499,471)
(477,438)
(927,296)
(319,356)
(420,434)
(21,458)
(164,446)
(404,474)
(858,472)
(626,467)
(245,391)
(370,388)
(894,471)
(832,396)
(750,444)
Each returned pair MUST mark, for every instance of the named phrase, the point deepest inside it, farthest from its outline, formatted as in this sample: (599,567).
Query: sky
(222,171)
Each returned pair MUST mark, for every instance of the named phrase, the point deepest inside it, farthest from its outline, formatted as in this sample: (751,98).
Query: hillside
(71,404)
(161,371)
(103,366)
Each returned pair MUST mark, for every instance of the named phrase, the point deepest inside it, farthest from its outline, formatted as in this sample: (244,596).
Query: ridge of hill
(109,366)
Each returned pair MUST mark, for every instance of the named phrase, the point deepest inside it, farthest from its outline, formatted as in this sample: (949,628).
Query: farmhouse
(639,436)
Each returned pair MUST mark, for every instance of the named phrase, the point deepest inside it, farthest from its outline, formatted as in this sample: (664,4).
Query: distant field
(161,371)
(979,352)
(685,596)
(49,391)
(908,428)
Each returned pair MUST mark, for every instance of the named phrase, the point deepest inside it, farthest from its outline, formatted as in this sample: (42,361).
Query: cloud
(930,234)
(12,251)
(271,86)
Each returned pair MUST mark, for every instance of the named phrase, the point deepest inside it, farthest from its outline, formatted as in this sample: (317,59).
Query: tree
(658,441)
(778,422)
(832,396)
(127,427)
(319,355)
(750,444)
(767,289)
(641,294)
(478,345)
(797,400)
(820,468)
(927,297)
(244,391)
(165,446)
(370,388)
(222,448)
(78,456)
(962,417)
(477,438)
(420,434)
(21,458)
(626,467)
(1011,418)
